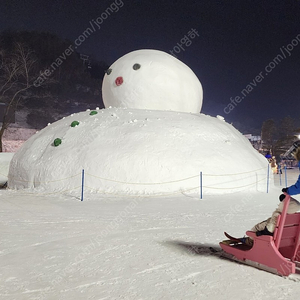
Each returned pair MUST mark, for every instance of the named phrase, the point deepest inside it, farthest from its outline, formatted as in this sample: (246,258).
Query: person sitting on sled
(267,227)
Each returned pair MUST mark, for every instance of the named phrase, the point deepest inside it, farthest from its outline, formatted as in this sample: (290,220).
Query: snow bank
(131,151)
(5,159)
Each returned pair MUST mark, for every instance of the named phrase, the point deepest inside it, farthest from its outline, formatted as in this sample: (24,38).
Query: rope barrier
(237,187)
(141,183)
(154,183)
(145,195)
(233,174)
(134,183)
(167,182)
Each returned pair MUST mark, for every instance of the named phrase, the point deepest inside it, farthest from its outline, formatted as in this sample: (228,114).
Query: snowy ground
(57,247)
(5,158)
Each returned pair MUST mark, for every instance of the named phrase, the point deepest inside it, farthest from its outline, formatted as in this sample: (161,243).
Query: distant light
(299,136)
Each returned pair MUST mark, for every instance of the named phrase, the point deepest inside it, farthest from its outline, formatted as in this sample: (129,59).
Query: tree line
(24,57)
(278,137)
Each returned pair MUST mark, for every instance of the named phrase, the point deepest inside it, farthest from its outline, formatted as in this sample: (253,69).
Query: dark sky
(238,40)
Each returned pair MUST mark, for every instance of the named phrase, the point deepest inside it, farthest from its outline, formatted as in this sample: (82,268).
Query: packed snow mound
(132,151)
(152,79)
(5,159)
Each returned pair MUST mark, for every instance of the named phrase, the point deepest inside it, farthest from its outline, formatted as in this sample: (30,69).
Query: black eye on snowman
(108,71)
(136,67)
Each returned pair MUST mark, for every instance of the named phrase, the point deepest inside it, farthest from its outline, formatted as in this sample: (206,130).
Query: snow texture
(132,248)
(132,151)
(4,166)
(154,141)
(152,79)
(135,244)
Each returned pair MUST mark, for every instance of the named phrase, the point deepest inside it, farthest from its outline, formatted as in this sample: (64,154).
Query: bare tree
(18,73)
(268,135)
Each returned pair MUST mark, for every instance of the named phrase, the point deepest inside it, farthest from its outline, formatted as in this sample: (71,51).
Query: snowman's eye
(108,71)
(136,66)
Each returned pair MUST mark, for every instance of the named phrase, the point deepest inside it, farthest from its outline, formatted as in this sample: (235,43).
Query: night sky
(247,54)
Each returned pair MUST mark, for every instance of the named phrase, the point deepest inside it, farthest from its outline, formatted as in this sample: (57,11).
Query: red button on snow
(119,80)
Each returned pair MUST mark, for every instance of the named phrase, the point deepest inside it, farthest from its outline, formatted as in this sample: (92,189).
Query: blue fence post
(201,185)
(285,176)
(280,171)
(82,184)
(268,178)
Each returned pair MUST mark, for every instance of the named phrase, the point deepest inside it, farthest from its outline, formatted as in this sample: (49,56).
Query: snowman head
(152,79)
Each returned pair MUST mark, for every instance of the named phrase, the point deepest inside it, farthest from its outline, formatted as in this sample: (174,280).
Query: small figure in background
(280,167)
(268,156)
(273,165)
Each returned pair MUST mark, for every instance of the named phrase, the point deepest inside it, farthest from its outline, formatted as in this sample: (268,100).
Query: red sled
(280,253)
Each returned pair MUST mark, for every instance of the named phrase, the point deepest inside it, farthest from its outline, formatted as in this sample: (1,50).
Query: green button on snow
(74,123)
(93,112)
(57,142)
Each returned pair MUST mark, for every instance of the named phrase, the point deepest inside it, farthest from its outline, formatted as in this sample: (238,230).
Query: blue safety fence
(206,183)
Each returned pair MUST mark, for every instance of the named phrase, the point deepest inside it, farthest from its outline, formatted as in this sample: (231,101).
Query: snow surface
(4,166)
(143,232)
(57,247)
(152,79)
(135,151)
(154,141)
